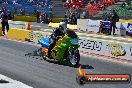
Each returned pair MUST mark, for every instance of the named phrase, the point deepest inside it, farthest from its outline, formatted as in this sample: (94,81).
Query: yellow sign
(116,49)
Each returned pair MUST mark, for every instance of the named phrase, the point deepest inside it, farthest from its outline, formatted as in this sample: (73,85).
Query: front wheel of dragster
(73,58)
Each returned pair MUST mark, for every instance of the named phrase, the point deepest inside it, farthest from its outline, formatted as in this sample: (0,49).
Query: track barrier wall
(107,48)
(18,34)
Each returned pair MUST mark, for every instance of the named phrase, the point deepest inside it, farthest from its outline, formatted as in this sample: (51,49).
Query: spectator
(128,2)
(5,1)
(83,15)
(45,18)
(4,17)
(101,5)
(104,24)
(41,18)
(69,1)
(123,5)
(43,4)
(37,16)
(14,2)
(101,27)
(78,15)
(66,17)
(113,19)
(91,2)
(30,1)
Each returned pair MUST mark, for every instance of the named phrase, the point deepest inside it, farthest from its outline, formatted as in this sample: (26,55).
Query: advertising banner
(82,24)
(88,25)
(118,29)
(106,48)
(93,26)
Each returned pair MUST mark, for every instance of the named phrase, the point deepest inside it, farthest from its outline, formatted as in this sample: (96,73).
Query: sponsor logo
(116,50)
(93,25)
(90,44)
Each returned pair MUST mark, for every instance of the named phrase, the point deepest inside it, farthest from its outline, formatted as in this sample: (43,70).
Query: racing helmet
(62,25)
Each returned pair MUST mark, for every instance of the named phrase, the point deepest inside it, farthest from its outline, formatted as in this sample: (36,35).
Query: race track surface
(37,26)
(42,74)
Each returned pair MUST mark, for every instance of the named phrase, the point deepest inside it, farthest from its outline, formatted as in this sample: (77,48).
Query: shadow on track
(37,54)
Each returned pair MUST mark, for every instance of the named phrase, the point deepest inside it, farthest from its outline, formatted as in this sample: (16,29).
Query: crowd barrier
(18,34)
(108,48)
(88,25)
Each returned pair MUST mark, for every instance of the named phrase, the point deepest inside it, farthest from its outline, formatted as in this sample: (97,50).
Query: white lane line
(12,83)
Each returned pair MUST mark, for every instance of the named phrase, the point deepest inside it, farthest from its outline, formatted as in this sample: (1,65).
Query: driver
(59,32)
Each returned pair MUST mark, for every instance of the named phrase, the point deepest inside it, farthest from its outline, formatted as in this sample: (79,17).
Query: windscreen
(71,34)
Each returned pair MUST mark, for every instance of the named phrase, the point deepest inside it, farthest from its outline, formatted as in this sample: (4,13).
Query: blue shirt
(106,24)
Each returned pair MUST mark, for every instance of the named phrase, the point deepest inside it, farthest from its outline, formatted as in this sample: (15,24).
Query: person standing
(4,17)
(37,16)
(66,17)
(113,19)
